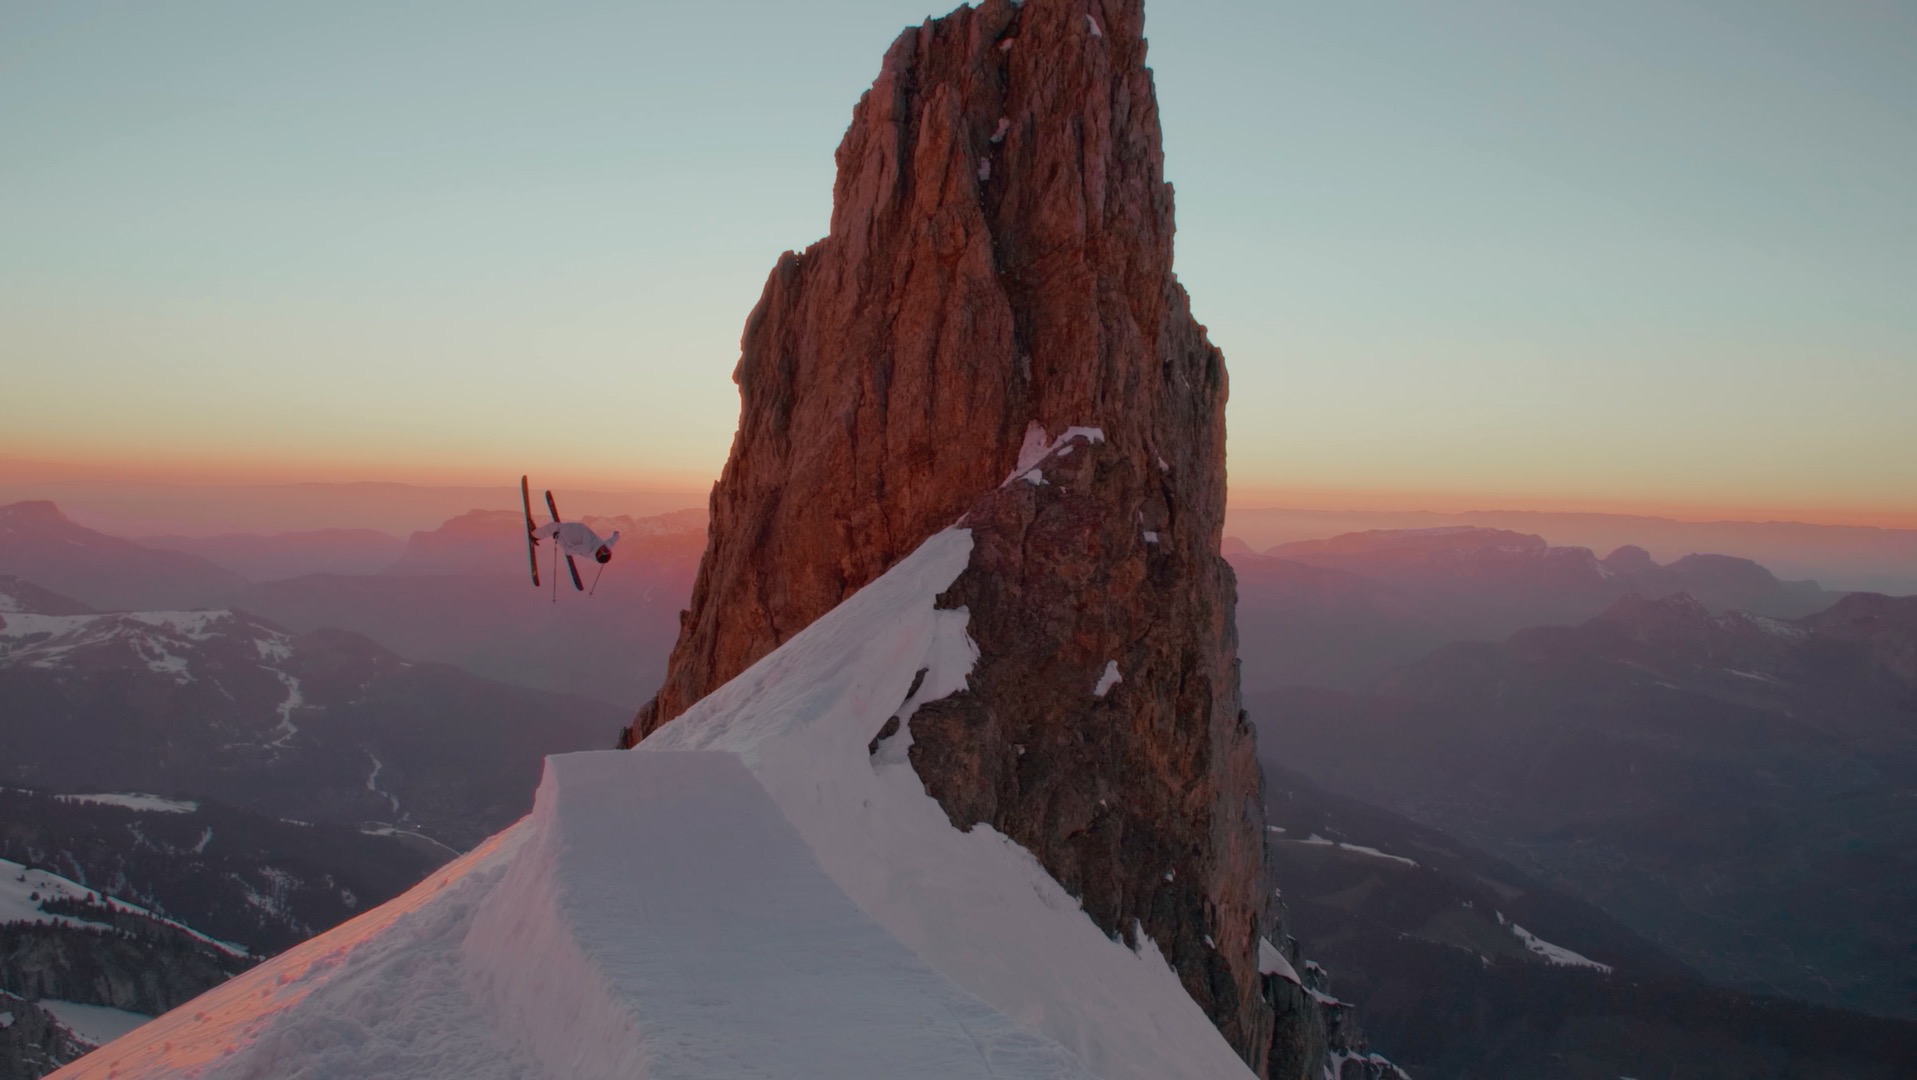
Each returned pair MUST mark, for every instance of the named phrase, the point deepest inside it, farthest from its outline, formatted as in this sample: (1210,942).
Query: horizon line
(17,473)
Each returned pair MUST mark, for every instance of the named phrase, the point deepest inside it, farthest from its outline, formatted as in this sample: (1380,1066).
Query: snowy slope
(750,894)
(977,906)
(163,639)
(23,890)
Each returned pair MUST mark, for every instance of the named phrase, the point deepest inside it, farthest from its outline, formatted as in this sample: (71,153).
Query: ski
(570,565)
(532,556)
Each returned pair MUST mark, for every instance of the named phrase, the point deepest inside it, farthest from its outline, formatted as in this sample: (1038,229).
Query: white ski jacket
(575,538)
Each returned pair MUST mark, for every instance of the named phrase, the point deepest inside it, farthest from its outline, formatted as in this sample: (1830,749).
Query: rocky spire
(998,272)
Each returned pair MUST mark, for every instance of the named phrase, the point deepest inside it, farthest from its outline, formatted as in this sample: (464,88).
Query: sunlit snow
(750,893)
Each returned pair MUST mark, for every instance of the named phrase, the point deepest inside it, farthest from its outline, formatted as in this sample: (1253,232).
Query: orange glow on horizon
(189,471)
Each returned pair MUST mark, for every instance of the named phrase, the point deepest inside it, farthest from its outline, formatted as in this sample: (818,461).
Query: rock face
(998,273)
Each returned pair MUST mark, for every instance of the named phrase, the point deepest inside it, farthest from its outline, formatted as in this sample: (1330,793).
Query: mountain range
(322,726)
(457,594)
(1343,611)
(1739,789)
(1470,969)
(41,545)
(1846,557)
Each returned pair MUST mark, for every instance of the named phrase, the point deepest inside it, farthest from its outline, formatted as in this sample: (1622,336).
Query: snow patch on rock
(1038,446)
(1552,954)
(1271,961)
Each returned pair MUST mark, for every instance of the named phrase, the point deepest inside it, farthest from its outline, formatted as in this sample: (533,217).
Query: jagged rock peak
(889,373)
(992,332)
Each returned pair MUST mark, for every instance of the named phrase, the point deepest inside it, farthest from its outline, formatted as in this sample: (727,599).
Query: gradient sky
(1621,255)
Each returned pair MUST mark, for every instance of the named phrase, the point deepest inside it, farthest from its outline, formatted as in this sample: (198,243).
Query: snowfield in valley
(23,890)
(751,892)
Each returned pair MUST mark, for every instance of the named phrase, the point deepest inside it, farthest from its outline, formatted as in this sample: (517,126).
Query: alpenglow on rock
(992,336)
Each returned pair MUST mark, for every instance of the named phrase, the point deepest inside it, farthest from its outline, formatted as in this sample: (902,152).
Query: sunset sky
(1644,255)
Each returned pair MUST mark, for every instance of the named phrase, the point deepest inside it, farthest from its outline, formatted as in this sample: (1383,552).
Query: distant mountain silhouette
(461,594)
(1315,625)
(458,594)
(40,544)
(22,596)
(1533,982)
(325,726)
(1847,557)
(1735,787)
(1340,612)
(284,555)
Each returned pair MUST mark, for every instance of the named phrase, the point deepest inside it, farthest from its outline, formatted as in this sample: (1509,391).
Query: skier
(570,537)
(577,538)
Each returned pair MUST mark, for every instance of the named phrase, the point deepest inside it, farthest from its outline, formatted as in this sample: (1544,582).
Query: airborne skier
(570,537)
(577,538)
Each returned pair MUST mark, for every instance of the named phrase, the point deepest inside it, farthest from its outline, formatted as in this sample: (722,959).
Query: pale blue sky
(1612,252)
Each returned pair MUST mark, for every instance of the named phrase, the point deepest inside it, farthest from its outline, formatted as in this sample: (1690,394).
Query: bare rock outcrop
(998,273)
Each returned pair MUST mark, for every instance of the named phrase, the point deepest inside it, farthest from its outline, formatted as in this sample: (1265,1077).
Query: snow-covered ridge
(974,904)
(1551,954)
(741,914)
(1318,841)
(753,891)
(164,640)
(23,890)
